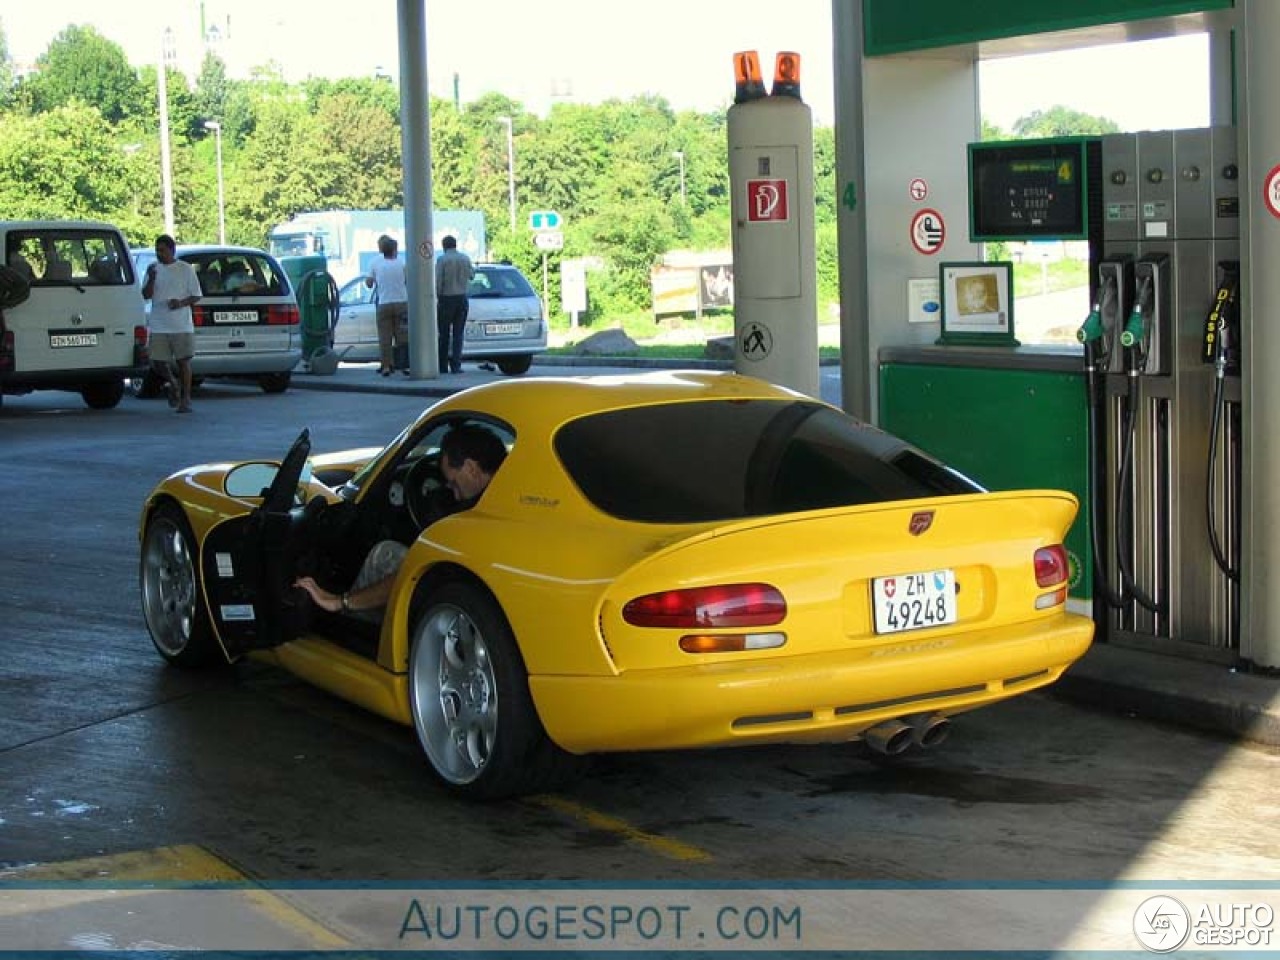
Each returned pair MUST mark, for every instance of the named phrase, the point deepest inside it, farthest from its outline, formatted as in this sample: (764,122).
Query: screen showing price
(1028,191)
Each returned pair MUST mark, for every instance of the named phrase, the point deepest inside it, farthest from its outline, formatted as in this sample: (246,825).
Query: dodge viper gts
(667,560)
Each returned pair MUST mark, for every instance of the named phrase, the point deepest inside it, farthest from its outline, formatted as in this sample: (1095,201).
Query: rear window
(80,257)
(494,282)
(238,273)
(731,459)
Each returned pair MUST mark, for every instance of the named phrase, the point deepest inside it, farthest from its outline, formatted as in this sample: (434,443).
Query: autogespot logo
(1161,924)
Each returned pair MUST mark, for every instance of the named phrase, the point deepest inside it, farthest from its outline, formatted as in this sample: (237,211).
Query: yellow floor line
(186,863)
(663,846)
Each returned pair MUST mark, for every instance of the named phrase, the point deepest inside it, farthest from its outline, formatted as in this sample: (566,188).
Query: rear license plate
(502,329)
(914,601)
(57,340)
(235,316)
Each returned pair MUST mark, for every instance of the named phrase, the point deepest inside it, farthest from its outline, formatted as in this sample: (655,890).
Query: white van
(82,326)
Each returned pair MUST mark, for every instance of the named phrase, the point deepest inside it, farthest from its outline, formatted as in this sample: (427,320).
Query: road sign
(549,240)
(544,220)
(1271,191)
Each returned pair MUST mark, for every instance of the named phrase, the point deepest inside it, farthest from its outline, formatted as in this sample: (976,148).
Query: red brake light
(283,316)
(6,352)
(727,605)
(200,316)
(141,347)
(1051,566)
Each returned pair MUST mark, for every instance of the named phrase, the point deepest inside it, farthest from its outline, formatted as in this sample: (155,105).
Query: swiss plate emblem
(921,521)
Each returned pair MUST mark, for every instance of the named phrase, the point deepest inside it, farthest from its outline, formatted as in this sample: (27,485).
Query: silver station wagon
(505,324)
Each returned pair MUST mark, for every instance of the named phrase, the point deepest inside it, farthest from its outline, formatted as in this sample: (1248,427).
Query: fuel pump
(1222,349)
(1140,341)
(1098,335)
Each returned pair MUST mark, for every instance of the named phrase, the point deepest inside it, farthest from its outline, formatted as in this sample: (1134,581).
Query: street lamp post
(679,155)
(166,164)
(511,171)
(216,127)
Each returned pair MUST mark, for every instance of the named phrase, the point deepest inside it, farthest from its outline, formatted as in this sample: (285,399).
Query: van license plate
(73,340)
(914,601)
(235,316)
(502,329)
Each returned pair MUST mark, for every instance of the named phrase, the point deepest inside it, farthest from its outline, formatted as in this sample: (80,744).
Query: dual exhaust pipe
(922,730)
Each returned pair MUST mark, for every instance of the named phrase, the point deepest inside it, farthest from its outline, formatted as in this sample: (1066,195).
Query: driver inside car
(469,457)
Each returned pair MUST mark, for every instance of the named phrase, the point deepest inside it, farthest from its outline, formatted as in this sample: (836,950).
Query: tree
(362,142)
(81,64)
(6,69)
(1060,121)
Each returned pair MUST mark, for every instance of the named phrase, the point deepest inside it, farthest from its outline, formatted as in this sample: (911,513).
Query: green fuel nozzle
(1092,328)
(1134,329)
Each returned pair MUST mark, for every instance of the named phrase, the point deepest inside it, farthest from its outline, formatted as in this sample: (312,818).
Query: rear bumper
(244,364)
(25,382)
(829,697)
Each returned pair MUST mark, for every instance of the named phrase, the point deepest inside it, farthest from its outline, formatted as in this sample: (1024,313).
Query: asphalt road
(106,753)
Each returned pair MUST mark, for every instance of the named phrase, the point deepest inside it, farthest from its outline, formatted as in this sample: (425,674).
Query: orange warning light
(748,81)
(786,75)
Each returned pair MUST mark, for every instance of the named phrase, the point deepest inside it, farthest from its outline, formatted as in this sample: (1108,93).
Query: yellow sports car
(661,561)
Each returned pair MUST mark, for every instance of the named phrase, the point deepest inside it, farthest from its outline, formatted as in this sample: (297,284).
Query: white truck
(349,238)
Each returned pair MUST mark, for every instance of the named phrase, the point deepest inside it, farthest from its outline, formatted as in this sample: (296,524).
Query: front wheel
(169,576)
(104,395)
(274,382)
(469,696)
(514,366)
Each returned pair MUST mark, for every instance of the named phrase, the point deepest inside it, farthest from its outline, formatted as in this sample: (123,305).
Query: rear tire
(103,396)
(470,701)
(514,366)
(169,578)
(274,382)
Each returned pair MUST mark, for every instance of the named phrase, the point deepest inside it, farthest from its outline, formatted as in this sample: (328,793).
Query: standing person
(172,288)
(387,276)
(453,275)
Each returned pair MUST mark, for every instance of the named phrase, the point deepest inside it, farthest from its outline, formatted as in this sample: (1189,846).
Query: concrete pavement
(1225,700)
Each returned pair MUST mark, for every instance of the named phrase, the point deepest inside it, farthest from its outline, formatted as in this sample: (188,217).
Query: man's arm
(149,284)
(368,598)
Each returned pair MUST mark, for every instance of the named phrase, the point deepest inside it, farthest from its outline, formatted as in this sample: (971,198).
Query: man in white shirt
(172,287)
(387,277)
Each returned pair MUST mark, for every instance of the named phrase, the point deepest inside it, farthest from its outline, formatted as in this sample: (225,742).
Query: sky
(591,50)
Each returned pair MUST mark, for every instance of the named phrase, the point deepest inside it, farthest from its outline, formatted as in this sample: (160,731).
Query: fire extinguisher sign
(767,201)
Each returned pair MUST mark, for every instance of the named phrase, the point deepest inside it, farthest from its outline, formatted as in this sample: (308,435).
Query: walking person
(173,288)
(387,277)
(454,271)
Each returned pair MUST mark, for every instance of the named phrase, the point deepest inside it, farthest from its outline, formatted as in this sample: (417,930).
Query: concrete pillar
(851,215)
(1258,53)
(415,146)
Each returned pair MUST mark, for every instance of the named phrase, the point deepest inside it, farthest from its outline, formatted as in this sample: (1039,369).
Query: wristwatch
(346,603)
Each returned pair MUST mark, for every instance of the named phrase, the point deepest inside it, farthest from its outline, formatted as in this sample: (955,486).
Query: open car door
(248,563)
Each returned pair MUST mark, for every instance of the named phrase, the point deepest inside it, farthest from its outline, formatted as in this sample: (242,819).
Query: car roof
(57,225)
(542,404)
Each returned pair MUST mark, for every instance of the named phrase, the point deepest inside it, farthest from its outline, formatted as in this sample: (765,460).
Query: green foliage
(6,69)
(1060,121)
(81,64)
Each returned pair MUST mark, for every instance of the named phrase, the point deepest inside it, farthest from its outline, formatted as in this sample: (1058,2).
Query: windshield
(296,244)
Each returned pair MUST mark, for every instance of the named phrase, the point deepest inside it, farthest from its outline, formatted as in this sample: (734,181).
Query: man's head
(165,248)
(469,457)
(387,246)
(450,242)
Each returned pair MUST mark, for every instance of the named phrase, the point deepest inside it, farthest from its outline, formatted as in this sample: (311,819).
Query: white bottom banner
(576,919)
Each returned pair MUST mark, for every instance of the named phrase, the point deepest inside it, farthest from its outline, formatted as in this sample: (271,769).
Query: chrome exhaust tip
(929,730)
(890,738)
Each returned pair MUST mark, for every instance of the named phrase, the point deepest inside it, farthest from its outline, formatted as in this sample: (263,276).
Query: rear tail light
(286,315)
(1052,570)
(200,317)
(1051,566)
(141,347)
(727,605)
(6,352)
